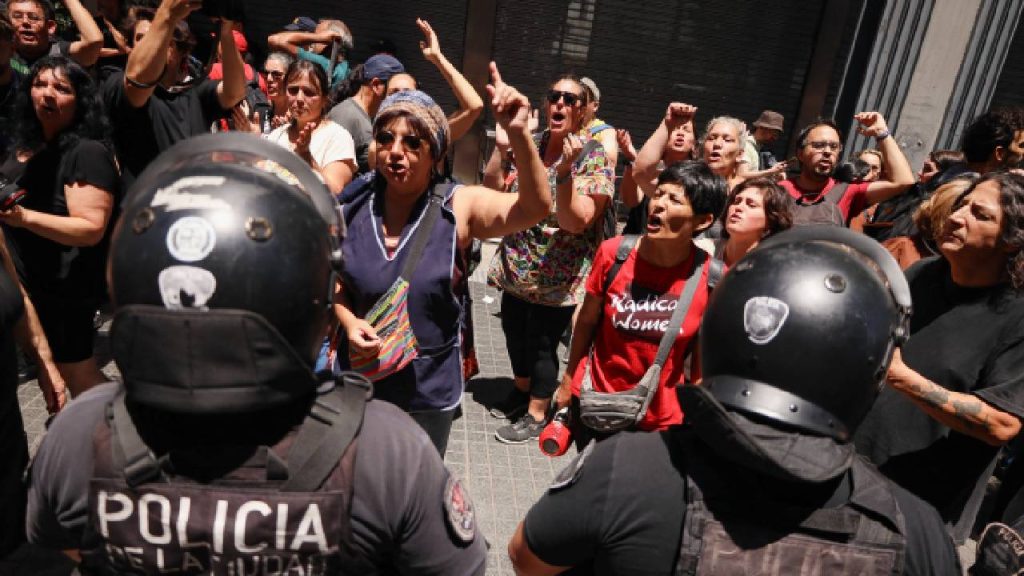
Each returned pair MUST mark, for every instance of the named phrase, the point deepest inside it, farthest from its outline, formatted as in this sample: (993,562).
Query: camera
(555,438)
(233,10)
(10,194)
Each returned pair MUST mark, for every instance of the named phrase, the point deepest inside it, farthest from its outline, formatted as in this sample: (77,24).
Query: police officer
(761,478)
(222,452)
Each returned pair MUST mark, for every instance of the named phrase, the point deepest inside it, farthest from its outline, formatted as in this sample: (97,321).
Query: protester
(874,159)
(407,204)
(754,210)
(154,103)
(762,478)
(768,129)
(929,219)
(594,127)
(673,141)
(18,321)
(59,231)
(114,53)
(995,140)
(630,301)
(321,143)
(817,199)
(470,104)
(37,30)
(722,147)
(541,270)
(10,80)
(307,39)
(353,114)
(274,69)
(954,391)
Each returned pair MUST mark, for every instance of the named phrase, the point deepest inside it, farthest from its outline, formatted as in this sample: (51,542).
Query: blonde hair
(931,215)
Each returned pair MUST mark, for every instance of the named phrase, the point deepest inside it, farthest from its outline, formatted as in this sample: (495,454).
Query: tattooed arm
(964,413)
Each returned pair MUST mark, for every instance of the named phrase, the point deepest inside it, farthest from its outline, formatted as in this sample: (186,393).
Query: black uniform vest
(748,534)
(249,521)
(825,210)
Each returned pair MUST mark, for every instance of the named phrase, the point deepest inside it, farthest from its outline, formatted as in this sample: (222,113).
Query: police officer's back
(222,453)
(761,478)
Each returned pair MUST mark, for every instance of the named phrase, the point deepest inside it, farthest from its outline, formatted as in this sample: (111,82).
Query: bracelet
(144,85)
(559,180)
(882,136)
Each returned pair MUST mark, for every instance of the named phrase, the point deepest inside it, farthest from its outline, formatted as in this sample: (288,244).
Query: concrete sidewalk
(503,480)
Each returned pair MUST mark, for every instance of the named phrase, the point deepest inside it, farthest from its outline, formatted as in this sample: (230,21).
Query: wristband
(144,85)
(882,135)
(559,180)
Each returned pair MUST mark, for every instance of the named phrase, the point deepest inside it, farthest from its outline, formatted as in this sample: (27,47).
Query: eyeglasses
(274,74)
(822,145)
(30,16)
(410,142)
(569,98)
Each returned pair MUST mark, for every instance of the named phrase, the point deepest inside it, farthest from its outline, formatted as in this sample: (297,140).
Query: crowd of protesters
(80,119)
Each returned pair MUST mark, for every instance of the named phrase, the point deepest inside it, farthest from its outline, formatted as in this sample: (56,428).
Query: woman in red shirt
(618,330)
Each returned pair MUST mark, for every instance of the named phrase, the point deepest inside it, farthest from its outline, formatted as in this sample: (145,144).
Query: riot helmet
(801,331)
(221,272)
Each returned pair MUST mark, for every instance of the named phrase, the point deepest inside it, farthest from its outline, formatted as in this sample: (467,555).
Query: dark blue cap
(302,24)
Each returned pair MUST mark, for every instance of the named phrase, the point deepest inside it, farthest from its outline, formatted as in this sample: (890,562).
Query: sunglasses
(274,74)
(410,142)
(569,98)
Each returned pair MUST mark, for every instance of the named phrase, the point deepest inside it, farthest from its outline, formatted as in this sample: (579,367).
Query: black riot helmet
(221,271)
(802,329)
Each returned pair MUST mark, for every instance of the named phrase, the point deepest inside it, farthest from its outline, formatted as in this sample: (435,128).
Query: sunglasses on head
(569,98)
(386,138)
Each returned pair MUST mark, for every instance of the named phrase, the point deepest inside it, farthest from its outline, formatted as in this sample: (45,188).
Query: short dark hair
(703,188)
(945,159)
(801,138)
(990,130)
(46,6)
(778,215)
(852,171)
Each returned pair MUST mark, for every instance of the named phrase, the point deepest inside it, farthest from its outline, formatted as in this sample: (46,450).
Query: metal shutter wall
(370,21)
(1010,89)
(726,58)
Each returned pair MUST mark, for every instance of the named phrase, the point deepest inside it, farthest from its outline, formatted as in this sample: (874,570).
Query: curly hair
(774,199)
(90,119)
(990,130)
(1011,200)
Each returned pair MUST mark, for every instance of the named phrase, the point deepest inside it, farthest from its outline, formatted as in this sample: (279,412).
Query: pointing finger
(495,75)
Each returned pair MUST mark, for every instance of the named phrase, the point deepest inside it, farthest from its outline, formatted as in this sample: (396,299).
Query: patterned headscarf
(422,106)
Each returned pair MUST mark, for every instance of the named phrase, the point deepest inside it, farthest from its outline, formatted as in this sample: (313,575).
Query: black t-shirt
(399,521)
(624,514)
(7,96)
(46,266)
(13,444)
(968,340)
(141,134)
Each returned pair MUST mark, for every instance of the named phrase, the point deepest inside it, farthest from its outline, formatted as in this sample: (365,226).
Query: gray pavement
(503,480)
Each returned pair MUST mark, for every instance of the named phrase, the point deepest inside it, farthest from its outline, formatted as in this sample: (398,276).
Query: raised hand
(180,9)
(625,142)
(679,113)
(430,47)
(511,108)
(302,140)
(872,124)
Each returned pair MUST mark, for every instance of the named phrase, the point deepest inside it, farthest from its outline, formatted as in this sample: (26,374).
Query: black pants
(438,426)
(531,337)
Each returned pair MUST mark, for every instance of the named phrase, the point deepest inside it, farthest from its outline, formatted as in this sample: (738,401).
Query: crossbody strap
(685,299)
(625,247)
(422,233)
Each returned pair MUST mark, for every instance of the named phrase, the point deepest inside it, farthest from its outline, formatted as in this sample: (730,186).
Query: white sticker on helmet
(191,239)
(179,196)
(763,317)
(186,287)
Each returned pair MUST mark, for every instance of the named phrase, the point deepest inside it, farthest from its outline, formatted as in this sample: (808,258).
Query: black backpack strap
(136,461)
(716,269)
(333,422)
(625,247)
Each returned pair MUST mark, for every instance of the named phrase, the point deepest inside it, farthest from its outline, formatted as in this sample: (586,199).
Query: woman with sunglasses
(541,270)
(325,146)
(392,211)
(274,69)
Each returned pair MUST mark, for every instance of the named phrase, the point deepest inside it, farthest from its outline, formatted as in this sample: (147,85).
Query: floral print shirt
(545,264)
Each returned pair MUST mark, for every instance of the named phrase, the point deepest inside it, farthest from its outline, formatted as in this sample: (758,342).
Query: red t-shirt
(853,202)
(636,313)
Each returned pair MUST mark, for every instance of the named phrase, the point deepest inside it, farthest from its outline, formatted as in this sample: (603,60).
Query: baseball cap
(302,24)
(382,66)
